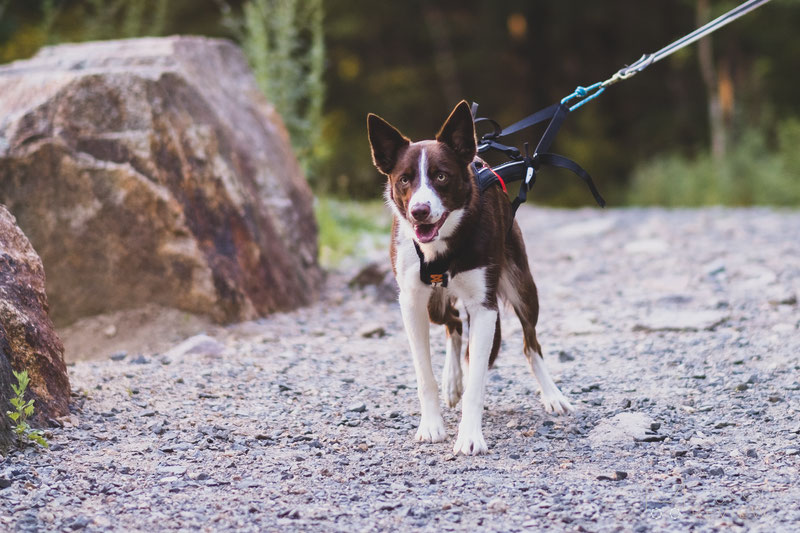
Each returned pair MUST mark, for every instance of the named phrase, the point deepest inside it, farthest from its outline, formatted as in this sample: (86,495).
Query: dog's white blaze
(553,400)
(425,194)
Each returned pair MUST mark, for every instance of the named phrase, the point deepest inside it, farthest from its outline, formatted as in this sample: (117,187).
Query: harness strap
(433,273)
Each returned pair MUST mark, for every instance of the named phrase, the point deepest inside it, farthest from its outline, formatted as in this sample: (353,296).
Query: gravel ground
(675,333)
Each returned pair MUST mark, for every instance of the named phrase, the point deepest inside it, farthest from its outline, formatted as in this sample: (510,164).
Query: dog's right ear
(386,143)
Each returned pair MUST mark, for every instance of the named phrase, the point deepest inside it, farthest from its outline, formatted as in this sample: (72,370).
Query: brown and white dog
(437,203)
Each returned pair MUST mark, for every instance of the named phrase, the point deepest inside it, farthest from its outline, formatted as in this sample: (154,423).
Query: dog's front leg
(414,308)
(470,439)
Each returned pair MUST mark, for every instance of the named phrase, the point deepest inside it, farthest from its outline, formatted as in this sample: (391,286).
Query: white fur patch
(425,193)
(552,398)
(470,287)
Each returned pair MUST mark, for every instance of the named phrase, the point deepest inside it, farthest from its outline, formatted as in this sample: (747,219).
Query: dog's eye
(404,179)
(441,177)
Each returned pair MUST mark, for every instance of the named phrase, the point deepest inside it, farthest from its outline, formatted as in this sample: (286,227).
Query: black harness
(520,168)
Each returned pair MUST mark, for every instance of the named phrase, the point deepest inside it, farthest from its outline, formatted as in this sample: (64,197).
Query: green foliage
(751,173)
(22,411)
(347,228)
(284,42)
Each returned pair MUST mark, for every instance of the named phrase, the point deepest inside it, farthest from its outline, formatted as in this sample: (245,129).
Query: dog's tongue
(426,232)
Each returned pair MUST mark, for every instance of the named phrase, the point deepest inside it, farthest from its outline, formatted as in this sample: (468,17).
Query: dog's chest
(467,286)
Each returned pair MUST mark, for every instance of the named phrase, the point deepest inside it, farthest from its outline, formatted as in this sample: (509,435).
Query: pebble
(358,407)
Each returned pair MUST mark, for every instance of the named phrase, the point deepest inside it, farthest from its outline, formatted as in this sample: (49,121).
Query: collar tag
(439,280)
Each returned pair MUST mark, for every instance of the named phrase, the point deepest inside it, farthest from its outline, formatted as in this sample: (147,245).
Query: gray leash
(593,91)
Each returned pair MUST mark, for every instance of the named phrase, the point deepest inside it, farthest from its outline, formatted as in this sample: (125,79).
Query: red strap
(502,183)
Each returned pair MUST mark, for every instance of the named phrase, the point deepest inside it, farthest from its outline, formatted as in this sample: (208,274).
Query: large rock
(154,171)
(27,338)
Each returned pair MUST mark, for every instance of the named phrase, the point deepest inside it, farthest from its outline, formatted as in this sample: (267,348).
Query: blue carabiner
(586,93)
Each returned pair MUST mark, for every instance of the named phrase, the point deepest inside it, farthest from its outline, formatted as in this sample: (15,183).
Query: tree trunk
(715,90)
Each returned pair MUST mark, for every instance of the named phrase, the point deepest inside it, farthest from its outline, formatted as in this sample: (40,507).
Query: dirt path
(676,333)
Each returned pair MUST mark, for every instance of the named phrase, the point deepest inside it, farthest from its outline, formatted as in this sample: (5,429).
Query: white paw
(557,403)
(470,443)
(431,430)
(452,388)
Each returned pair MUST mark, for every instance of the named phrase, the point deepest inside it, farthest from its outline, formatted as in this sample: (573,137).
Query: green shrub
(751,173)
(284,43)
(22,411)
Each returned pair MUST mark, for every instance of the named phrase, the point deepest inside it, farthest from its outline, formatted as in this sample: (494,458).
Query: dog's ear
(458,132)
(386,143)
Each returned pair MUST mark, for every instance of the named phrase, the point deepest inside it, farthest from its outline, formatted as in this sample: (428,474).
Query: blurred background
(716,123)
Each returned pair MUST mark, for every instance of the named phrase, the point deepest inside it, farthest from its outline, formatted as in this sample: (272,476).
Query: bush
(284,43)
(751,173)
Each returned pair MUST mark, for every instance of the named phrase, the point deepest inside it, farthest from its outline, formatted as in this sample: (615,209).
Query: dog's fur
(436,202)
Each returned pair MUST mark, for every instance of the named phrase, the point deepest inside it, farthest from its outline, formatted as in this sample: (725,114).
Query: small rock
(718,471)
(174,470)
(372,274)
(372,331)
(497,506)
(564,357)
(742,387)
(4,483)
(619,475)
(139,360)
(752,453)
(80,523)
(357,407)
(119,356)
(110,330)
(198,345)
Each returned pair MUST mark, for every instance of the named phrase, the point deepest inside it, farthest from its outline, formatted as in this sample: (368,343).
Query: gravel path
(675,333)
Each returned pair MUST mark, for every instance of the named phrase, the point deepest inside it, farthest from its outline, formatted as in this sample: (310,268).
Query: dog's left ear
(458,132)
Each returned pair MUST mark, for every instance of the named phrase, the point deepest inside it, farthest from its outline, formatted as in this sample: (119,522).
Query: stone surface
(153,171)
(268,442)
(28,340)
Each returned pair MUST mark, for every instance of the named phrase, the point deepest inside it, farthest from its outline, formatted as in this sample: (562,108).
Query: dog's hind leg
(517,288)
(452,376)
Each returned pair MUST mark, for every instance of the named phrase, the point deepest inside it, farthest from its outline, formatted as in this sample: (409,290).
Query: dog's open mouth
(428,232)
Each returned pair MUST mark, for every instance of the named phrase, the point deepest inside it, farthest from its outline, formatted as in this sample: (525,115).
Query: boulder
(28,340)
(153,171)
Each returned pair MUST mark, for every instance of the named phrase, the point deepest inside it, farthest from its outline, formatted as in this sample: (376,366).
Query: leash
(524,167)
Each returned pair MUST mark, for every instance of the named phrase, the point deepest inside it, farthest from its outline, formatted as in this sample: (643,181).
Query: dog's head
(428,181)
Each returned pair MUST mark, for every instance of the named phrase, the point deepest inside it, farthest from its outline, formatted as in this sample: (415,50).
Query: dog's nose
(421,212)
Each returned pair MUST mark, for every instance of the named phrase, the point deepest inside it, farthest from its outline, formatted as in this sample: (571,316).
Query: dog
(441,217)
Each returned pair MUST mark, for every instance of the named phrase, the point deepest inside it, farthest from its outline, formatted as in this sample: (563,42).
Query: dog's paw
(431,430)
(470,443)
(557,403)
(452,388)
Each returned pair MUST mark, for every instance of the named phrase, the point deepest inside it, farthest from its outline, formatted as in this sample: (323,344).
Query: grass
(349,229)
